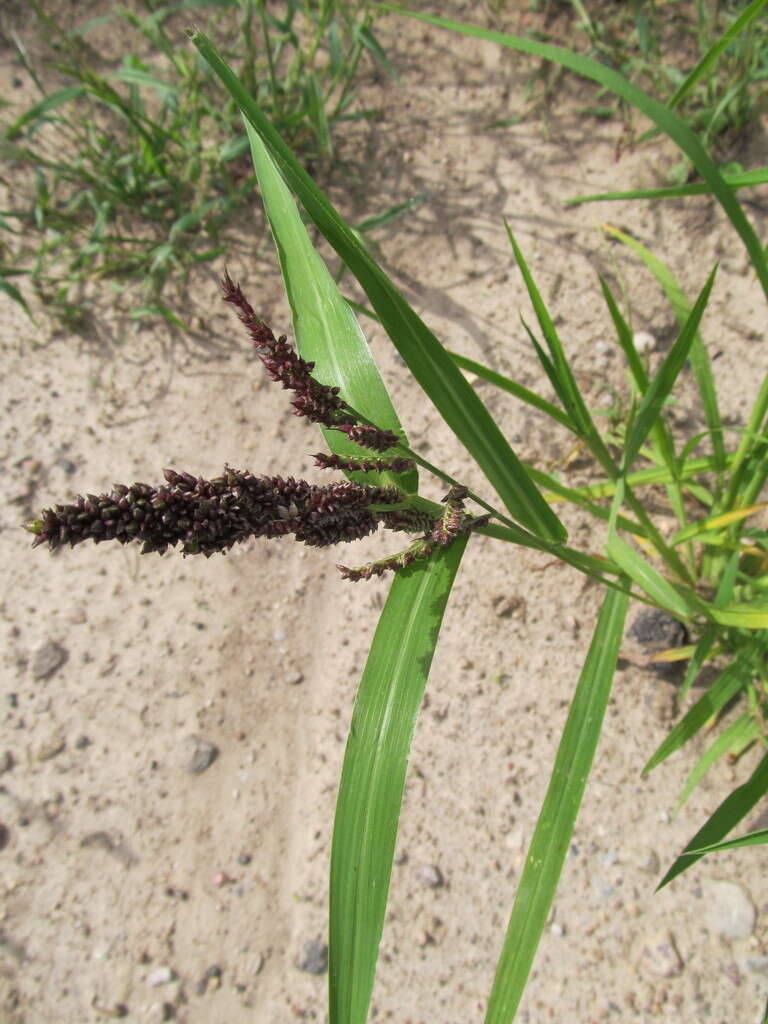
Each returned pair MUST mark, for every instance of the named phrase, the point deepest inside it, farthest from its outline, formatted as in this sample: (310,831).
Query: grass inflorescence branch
(209,516)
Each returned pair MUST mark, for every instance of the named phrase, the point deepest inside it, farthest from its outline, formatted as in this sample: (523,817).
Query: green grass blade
(554,828)
(650,477)
(557,366)
(699,357)
(673,126)
(752,440)
(317,116)
(713,54)
(703,647)
(742,179)
(727,816)
(512,388)
(662,436)
(549,483)
(426,358)
(13,293)
(682,604)
(326,330)
(661,386)
(370,794)
(625,339)
(41,110)
(759,838)
(734,678)
(559,372)
(741,616)
(735,738)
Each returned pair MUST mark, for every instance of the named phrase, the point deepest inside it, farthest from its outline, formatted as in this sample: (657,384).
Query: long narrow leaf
(513,388)
(736,737)
(683,605)
(759,838)
(661,386)
(426,358)
(40,111)
(702,367)
(734,678)
(742,616)
(727,816)
(743,179)
(701,651)
(373,776)
(554,828)
(557,366)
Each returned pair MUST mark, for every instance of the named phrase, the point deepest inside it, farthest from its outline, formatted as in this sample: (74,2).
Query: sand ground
(119,861)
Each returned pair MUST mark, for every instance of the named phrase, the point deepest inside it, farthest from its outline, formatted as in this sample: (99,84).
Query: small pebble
(294,678)
(6,761)
(203,755)
(82,742)
(731,912)
(50,746)
(210,980)
(651,864)
(48,659)
(430,876)
(5,836)
(508,605)
(244,858)
(644,342)
(160,976)
(221,878)
(314,960)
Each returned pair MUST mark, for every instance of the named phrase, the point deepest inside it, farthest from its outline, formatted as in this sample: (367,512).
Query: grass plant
(658,46)
(711,573)
(135,167)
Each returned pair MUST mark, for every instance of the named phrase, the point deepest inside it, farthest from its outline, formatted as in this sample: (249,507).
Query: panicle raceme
(320,403)
(396,465)
(454,522)
(206,516)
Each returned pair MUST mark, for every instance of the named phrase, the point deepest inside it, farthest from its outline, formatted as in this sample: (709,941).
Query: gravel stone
(203,755)
(644,342)
(731,912)
(160,976)
(48,659)
(50,746)
(430,876)
(314,959)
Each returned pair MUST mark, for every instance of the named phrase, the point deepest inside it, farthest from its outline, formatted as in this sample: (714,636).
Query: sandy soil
(126,877)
